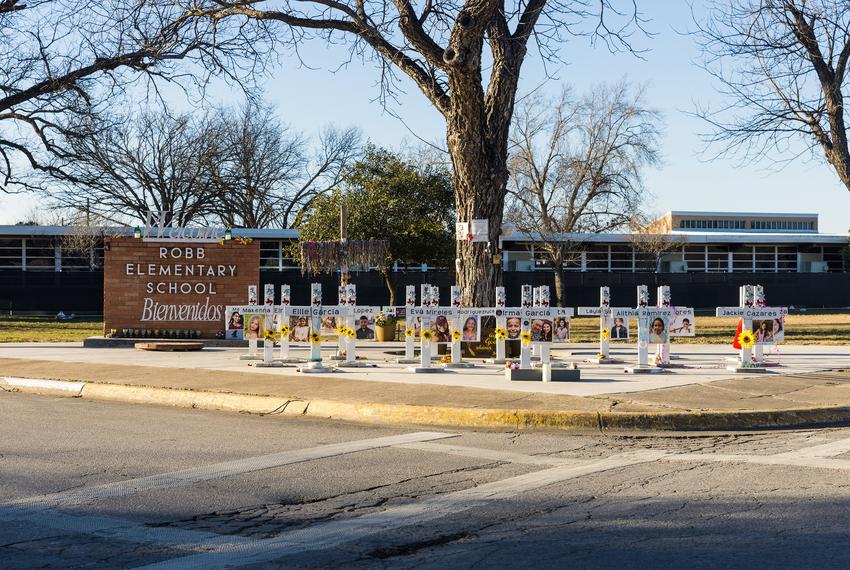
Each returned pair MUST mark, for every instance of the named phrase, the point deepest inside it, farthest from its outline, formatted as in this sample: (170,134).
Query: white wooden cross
(750,308)
(664,299)
(429,309)
(460,315)
(645,315)
(605,313)
(503,313)
(283,312)
(253,308)
(542,310)
(352,314)
(760,302)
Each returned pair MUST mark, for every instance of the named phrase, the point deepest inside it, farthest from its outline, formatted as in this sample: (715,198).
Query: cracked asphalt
(476,500)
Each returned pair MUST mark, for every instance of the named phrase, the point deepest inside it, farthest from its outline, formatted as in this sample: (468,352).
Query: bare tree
(782,65)
(85,234)
(576,168)
(440,45)
(61,60)
(132,164)
(651,240)
(334,153)
(265,173)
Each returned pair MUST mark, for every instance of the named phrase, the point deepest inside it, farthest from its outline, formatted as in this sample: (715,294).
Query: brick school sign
(170,285)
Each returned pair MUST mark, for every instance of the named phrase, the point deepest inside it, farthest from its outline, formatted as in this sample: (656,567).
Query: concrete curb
(404,414)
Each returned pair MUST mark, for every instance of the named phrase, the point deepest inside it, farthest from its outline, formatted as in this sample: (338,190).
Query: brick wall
(175,285)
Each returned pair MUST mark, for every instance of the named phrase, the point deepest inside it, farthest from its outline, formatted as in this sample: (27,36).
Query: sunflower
(350,333)
(409,332)
(270,335)
(525,336)
(456,336)
(427,335)
(501,334)
(341,330)
(604,334)
(284,330)
(747,339)
(315,338)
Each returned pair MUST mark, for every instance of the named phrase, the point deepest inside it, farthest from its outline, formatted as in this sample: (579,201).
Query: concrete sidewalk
(793,398)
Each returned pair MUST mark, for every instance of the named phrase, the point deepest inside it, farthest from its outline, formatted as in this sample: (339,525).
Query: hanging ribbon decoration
(332,256)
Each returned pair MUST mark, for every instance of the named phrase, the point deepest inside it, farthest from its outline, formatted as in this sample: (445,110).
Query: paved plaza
(700,364)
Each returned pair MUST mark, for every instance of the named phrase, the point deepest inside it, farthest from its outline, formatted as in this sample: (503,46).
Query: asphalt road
(98,485)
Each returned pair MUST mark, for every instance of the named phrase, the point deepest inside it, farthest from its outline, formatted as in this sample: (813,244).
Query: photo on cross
(769,331)
(620,329)
(299,329)
(658,330)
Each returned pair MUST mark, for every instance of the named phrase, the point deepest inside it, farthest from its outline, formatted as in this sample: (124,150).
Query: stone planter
(385,333)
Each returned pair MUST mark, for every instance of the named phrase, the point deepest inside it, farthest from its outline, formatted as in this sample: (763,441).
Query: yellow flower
(456,335)
(284,330)
(600,356)
(270,335)
(409,332)
(341,330)
(350,333)
(525,336)
(747,339)
(427,335)
(501,334)
(315,338)
(604,334)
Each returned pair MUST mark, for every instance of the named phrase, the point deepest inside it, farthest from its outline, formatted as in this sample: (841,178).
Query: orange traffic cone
(735,342)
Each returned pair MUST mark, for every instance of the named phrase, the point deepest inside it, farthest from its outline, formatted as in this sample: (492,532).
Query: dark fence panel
(83,291)
(49,291)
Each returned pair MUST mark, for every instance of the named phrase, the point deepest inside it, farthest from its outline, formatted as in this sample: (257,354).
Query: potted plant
(385,327)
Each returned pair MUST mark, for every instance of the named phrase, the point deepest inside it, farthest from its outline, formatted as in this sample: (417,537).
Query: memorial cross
(460,316)
(254,308)
(759,301)
(543,310)
(750,307)
(354,313)
(315,311)
(283,312)
(747,311)
(664,299)
(644,315)
(409,325)
(429,309)
(605,313)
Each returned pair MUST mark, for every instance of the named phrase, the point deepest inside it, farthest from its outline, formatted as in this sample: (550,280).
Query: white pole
(424,345)
(759,301)
(746,300)
(455,303)
(315,303)
(525,349)
(284,320)
(501,322)
(350,322)
(409,303)
(605,321)
(664,300)
(643,327)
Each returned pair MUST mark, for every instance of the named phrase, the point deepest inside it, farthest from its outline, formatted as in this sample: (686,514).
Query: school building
(703,256)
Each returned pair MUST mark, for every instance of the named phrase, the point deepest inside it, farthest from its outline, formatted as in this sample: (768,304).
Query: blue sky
(307,99)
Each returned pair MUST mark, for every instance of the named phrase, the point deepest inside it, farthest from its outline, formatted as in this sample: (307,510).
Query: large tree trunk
(477,144)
